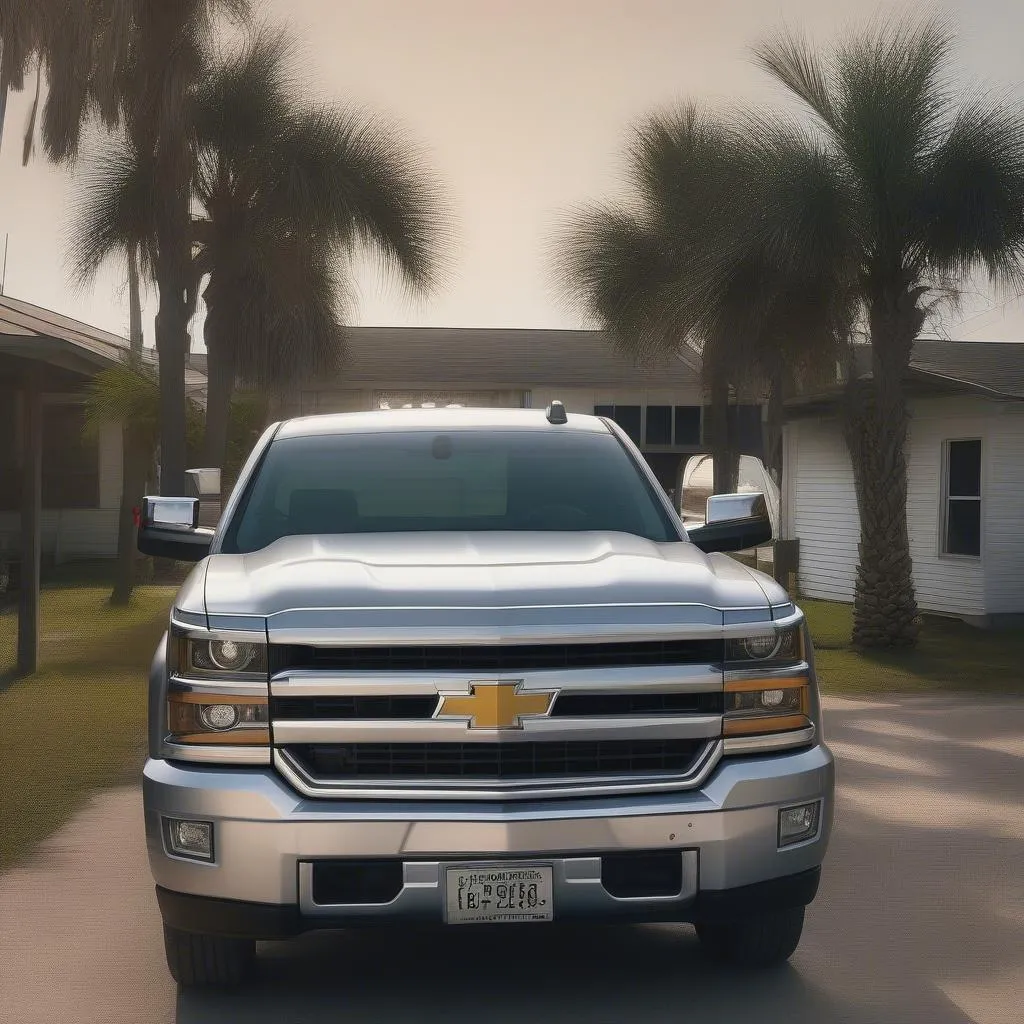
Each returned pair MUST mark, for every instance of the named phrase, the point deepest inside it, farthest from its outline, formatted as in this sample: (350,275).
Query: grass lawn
(951,656)
(80,722)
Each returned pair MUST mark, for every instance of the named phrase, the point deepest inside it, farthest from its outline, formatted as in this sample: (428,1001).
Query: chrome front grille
(378,722)
(477,658)
(496,762)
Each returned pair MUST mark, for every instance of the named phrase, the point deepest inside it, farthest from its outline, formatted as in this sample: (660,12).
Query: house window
(688,425)
(659,424)
(627,416)
(961,534)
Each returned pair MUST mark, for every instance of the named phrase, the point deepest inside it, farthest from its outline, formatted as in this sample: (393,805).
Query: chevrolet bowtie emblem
(495,705)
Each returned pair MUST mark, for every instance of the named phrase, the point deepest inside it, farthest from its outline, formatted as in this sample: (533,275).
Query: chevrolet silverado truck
(468,667)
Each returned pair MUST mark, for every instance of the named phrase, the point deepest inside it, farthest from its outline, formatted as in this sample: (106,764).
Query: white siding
(69,533)
(823,509)
(1003,512)
(944,583)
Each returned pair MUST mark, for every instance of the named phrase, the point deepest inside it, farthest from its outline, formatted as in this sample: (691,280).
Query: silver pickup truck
(468,667)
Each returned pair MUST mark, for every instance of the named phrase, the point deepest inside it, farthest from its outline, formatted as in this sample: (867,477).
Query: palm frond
(114,208)
(354,174)
(791,59)
(970,210)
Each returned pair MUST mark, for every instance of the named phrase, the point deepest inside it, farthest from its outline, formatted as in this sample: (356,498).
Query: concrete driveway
(920,917)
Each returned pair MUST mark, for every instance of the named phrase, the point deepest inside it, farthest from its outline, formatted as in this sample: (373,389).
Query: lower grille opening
(496,761)
(356,881)
(638,875)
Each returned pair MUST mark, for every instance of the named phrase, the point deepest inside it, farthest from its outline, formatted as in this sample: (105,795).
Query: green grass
(80,722)
(951,656)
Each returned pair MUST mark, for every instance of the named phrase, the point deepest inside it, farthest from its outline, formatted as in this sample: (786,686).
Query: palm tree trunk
(133,461)
(885,610)
(724,452)
(172,346)
(134,301)
(133,464)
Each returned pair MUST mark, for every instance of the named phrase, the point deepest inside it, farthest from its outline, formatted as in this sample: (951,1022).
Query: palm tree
(926,186)
(282,192)
(134,64)
(676,267)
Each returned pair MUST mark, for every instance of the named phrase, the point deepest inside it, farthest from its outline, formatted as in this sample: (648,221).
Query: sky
(521,109)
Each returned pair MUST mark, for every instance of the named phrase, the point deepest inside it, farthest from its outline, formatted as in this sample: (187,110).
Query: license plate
(482,894)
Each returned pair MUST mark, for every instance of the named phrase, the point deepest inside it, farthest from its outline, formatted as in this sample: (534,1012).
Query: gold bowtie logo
(495,705)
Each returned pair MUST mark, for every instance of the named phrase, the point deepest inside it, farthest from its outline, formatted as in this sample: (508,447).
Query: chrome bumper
(267,837)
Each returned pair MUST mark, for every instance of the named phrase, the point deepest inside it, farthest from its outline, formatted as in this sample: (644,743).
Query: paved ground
(920,917)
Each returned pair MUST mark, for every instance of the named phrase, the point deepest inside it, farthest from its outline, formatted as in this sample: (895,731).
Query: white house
(965,457)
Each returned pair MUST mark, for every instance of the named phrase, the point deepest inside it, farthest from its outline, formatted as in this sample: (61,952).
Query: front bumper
(268,840)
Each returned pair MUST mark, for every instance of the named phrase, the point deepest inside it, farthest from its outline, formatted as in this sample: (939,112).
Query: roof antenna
(556,413)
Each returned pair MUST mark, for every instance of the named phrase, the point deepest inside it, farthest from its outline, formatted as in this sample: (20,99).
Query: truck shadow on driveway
(511,973)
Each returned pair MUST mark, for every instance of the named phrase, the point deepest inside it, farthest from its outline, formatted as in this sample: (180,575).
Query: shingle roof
(512,358)
(22,323)
(994,368)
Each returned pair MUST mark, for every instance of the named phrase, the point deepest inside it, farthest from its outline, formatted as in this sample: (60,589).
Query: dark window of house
(962,498)
(688,424)
(659,424)
(605,410)
(71,477)
(628,417)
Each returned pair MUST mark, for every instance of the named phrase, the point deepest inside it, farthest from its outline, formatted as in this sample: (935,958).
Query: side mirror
(169,528)
(734,522)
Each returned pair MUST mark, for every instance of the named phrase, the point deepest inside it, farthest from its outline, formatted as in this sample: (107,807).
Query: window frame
(945,499)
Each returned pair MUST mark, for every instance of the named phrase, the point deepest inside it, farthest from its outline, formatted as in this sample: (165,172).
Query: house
(965,459)
(660,404)
(81,478)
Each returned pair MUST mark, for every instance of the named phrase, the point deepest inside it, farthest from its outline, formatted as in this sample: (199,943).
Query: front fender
(157,697)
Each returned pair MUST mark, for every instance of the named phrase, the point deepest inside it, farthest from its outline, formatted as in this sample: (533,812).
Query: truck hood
(479,587)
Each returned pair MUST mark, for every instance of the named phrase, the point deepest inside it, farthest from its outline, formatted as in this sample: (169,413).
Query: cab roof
(436,419)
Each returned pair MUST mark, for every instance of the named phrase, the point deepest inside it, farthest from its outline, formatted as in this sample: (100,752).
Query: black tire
(208,961)
(762,940)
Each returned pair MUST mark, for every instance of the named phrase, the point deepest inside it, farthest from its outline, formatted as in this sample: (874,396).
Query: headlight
(202,656)
(779,646)
(211,718)
(770,705)
(226,655)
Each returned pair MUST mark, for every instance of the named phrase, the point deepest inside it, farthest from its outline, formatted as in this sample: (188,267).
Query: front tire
(208,961)
(761,940)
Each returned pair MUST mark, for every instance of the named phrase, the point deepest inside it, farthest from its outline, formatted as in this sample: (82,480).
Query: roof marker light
(556,413)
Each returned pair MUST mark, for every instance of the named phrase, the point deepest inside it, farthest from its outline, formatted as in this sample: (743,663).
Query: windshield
(419,481)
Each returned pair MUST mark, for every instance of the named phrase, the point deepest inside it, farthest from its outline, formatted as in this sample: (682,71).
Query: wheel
(762,940)
(207,961)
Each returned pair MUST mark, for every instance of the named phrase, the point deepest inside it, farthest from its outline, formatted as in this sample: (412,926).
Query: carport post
(31,523)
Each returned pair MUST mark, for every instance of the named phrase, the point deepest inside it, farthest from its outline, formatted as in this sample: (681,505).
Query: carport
(41,353)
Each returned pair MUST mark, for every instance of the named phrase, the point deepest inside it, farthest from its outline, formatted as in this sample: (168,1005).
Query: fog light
(217,717)
(189,838)
(798,824)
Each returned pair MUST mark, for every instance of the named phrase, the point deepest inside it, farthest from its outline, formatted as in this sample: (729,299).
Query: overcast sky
(522,107)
